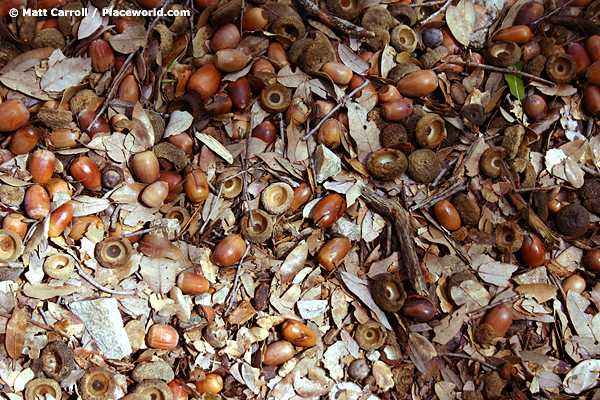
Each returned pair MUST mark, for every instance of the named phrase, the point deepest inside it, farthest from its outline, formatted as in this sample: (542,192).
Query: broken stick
(334,22)
(392,208)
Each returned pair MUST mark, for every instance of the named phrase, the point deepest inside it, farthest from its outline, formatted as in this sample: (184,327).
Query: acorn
(191,283)
(84,170)
(500,319)
(196,186)
(36,202)
(13,115)
(517,33)
(330,133)
(328,210)
(301,195)
(532,251)
(418,84)
(298,333)
(535,107)
(338,72)
(101,55)
(447,215)
(41,166)
(279,352)
(59,219)
(226,37)
(212,383)
(204,82)
(334,251)
(418,308)
(163,337)
(396,110)
(424,165)
(24,140)
(575,283)
(229,250)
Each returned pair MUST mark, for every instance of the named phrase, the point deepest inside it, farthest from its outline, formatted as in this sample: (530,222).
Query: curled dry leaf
(15,333)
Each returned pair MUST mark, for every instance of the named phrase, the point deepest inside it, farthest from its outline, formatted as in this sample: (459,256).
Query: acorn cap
(404,39)
(388,292)
(113,252)
(474,113)
(387,164)
(296,49)
(97,384)
(370,336)
(590,196)
(262,229)
(155,388)
(59,266)
(180,214)
(12,196)
(11,245)
(561,68)
(49,38)
(277,198)
(55,119)
(431,131)
(377,18)
(491,161)
(467,208)
(58,360)
(226,12)
(42,386)
(572,220)
(504,54)
(509,237)
(404,13)
(275,98)
(314,55)
(345,9)
(513,136)
(528,177)
(433,56)
(410,122)
(82,100)
(290,28)
(171,153)
(231,187)
(424,165)
(158,125)
(8,51)
(401,70)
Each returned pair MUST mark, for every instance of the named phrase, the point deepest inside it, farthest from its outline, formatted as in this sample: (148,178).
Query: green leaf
(515,82)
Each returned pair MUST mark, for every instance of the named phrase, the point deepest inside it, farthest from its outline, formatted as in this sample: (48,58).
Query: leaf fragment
(15,333)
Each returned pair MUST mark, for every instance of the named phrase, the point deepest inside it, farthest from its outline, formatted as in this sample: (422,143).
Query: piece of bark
(334,22)
(392,208)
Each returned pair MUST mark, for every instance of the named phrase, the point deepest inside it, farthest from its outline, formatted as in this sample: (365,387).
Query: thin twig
(334,22)
(38,324)
(114,217)
(435,14)
(334,109)
(143,231)
(467,357)
(537,189)
(587,169)
(245,172)
(458,186)
(552,13)
(234,287)
(428,4)
(96,284)
(504,71)
(483,309)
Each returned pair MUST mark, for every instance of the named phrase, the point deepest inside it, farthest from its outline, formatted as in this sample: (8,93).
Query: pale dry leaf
(215,146)
(66,73)
(199,41)
(140,115)
(45,292)
(132,38)
(339,307)
(574,173)
(128,194)
(352,60)
(364,133)
(294,262)
(388,60)
(14,339)
(542,292)
(583,323)
(90,23)
(179,121)
(361,291)
(461,21)
(450,325)
(496,273)
(383,375)
(583,377)
(445,390)
(86,205)
(287,78)
(159,274)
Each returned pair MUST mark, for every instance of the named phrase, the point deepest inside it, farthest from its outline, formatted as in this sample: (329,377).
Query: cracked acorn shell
(113,252)
(39,387)
(509,237)
(504,54)
(424,165)
(58,360)
(262,229)
(431,131)
(11,245)
(387,164)
(277,198)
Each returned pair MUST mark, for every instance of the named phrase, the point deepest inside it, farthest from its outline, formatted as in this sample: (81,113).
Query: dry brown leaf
(352,60)
(132,38)
(15,333)
(364,133)
(461,21)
